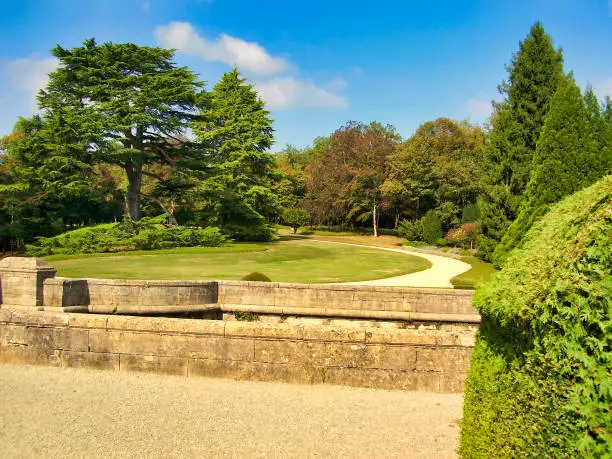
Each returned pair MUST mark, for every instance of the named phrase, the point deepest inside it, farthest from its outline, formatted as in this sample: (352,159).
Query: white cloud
(247,56)
(479,108)
(289,92)
(30,74)
(603,89)
(335,84)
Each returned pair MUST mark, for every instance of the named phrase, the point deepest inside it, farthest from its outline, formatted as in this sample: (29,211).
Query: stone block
(256,371)
(387,357)
(383,379)
(22,280)
(154,364)
(5,314)
(332,333)
(166,325)
(206,347)
(443,360)
(263,330)
(58,338)
(400,336)
(13,335)
(290,352)
(30,355)
(39,318)
(87,321)
(101,361)
(350,355)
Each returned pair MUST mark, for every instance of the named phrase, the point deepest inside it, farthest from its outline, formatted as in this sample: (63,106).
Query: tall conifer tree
(569,156)
(237,132)
(534,73)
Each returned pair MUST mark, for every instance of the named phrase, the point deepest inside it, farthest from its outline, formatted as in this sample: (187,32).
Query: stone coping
(304,332)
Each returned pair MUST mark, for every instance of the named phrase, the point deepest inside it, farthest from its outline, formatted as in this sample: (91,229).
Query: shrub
(415,243)
(432,227)
(470,213)
(257,232)
(462,235)
(539,382)
(142,235)
(295,217)
(411,230)
(256,276)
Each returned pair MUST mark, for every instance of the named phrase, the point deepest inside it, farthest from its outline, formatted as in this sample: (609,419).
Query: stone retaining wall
(406,359)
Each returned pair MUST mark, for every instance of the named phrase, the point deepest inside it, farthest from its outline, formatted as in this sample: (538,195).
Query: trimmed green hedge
(146,234)
(540,381)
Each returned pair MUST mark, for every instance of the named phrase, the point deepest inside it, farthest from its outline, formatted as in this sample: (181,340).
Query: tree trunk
(375,221)
(132,198)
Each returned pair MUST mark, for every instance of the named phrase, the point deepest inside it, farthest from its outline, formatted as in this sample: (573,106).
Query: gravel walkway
(63,412)
(443,269)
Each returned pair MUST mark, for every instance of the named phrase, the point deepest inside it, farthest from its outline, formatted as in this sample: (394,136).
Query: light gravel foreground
(64,412)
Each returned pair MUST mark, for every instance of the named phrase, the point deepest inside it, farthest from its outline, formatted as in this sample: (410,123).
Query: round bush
(255,276)
(540,379)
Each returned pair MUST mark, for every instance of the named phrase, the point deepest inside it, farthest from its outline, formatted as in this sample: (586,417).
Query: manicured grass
(481,272)
(284,261)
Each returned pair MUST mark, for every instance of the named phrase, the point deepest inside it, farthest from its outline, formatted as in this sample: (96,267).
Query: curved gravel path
(443,269)
(66,412)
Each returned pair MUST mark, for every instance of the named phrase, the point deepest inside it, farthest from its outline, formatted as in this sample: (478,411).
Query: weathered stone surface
(58,338)
(101,361)
(256,371)
(333,333)
(29,355)
(166,325)
(445,360)
(263,330)
(154,364)
(171,345)
(383,379)
(290,352)
(87,321)
(22,280)
(41,318)
(400,336)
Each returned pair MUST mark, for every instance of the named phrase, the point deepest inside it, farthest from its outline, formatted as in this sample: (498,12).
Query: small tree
(432,227)
(295,217)
(462,234)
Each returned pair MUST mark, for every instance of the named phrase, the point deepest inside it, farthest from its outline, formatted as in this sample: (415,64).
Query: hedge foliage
(146,234)
(540,381)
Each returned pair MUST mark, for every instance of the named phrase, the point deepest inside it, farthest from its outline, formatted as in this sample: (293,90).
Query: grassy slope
(284,261)
(481,272)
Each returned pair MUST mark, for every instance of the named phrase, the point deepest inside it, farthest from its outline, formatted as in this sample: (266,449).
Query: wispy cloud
(604,88)
(30,75)
(288,92)
(279,92)
(478,109)
(247,56)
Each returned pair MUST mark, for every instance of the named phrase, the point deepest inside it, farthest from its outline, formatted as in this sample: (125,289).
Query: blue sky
(318,63)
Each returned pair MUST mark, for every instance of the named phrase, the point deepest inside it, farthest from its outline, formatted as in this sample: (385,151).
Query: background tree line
(124,132)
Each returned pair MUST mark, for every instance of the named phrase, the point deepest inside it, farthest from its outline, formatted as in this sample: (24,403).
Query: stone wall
(406,359)
(360,301)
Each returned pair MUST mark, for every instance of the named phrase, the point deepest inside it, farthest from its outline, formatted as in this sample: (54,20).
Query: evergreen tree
(569,157)
(237,131)
(124,102)
(534,74)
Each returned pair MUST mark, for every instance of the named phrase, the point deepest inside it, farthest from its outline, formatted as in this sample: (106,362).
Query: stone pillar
(22,280)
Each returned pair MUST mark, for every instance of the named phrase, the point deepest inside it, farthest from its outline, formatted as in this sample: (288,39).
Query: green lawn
(481,271)
(284,261)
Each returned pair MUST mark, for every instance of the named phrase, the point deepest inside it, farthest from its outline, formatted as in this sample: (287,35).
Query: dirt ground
(63,412)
